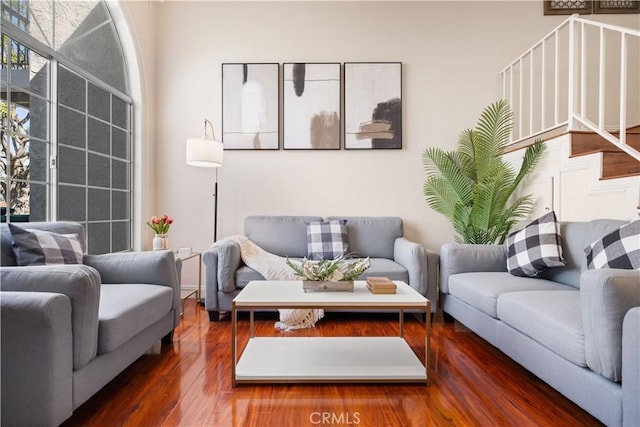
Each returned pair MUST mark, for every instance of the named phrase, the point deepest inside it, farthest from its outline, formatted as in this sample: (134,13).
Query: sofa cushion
(281,235)
(481,290)
(372,237)
(575,237)
(618,249)
(535,247)
(127,309)
(386,267)
(552,318)
(245,274)
(326,240)
(39,247)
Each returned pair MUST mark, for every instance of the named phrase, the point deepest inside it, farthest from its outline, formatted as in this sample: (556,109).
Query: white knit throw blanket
(274,267)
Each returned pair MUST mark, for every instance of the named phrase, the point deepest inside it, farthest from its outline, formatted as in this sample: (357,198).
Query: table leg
(401,322)
(251,323)
(427,341)
(234,343)
(200,279)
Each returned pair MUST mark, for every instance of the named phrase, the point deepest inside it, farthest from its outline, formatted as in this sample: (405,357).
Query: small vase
(160,242)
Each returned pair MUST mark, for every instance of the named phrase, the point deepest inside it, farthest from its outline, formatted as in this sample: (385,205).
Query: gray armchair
(67,330)
(379,238)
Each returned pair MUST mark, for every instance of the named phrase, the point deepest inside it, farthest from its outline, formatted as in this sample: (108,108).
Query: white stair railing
(581,75)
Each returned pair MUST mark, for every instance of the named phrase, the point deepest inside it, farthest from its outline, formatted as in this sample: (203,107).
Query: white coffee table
(291,359)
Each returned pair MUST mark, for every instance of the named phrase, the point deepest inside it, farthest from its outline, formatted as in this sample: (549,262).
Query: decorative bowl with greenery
(342,268)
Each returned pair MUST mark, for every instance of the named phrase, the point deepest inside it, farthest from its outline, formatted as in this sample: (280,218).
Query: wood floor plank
(189,384)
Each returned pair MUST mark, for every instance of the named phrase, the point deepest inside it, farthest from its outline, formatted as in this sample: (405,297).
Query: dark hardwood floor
(189,384)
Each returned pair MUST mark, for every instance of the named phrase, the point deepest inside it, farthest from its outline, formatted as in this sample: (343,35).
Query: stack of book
(381,285)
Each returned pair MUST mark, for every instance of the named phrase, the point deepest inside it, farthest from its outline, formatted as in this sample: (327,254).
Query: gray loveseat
(67,330)
(380,238)
(576,329)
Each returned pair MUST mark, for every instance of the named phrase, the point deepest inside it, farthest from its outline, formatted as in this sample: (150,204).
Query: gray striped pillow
(38,247)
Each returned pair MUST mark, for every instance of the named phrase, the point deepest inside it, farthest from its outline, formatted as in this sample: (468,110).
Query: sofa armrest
(631,368)
(151,267)
(37,359)
(422,266)
(464,258)
(606,295)
(221,263)
(80,283)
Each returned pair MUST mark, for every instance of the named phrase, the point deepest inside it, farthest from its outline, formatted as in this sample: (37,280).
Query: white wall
(136,25)
(451,54)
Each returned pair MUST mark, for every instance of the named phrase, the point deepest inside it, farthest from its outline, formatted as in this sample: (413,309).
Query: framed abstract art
(373,105)
(311,98)
(250,106)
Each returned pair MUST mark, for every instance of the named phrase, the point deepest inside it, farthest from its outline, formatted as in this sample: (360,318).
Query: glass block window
(66,120)
(94,165)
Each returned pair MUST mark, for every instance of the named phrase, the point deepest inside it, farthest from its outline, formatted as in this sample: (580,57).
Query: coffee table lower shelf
(329,360)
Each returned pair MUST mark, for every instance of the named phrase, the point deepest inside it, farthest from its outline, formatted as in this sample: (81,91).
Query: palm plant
(472,186)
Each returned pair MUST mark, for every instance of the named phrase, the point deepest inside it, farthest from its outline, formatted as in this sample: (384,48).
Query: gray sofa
(67,330)
(576,329)
(380,238)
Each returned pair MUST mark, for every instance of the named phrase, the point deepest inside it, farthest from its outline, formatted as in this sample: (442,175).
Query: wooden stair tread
(619,165)
(583,143)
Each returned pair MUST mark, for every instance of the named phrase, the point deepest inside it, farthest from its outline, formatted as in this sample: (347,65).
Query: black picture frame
(311,105)
(251,106)
(583,7)
(373,105)
(604,7)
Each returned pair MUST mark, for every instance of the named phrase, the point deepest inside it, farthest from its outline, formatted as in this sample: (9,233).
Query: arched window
(66,120)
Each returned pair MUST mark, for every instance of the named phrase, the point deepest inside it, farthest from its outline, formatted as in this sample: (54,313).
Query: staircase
(581,78)
(616,163)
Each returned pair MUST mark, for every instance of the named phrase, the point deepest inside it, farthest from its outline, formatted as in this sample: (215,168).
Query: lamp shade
(204,153)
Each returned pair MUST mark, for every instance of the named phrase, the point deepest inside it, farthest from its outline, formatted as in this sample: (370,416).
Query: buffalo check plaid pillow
(619,249)
(38,247)
(535,248)
(326,240)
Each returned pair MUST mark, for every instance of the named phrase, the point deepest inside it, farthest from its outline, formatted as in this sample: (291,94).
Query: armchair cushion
(326,240)
(126,310)
(151,267)
(39,247)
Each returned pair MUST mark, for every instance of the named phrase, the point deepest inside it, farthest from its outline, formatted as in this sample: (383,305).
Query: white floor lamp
(206,152)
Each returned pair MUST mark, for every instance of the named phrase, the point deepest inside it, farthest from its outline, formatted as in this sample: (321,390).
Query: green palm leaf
(440,196)
(467,144)
(473,186)
(439,162)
